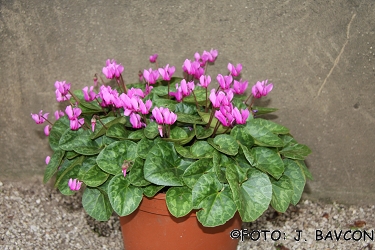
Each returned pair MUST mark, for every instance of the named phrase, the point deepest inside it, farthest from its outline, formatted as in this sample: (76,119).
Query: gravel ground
(34,216)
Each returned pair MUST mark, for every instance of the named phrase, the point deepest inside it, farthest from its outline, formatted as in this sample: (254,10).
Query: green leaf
(305,170)
(263,136)
(160,90)
(201,149)
(136,135)
(297,177)
(196,170)
(271,126)
(295,151)
(252,195)
(117,131)
(225,144)
(96,204)
(220,162)
(115,154)
(69,169)
(108,122)
(203,133)
(242,135)
(268,161)
(151,130)
(188,118)
(124,197)
(79,141)
(166,103)
(58,128)
(91,174)
(53,164)
(263,110)
(282,192)
(185,108)
(214,201)
(248,155)
(179,201)
(151,190)
(143,147)
(135,175)
(200,94)
(178,133)
(163,166)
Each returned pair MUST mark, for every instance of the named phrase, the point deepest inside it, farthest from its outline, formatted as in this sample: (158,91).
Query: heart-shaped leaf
(68,169)
(53,164)
(203,132)
(263,136)
(214,201)
(113,156)
(196,170)
(136,176)
(225,144)
(163,166)
(179,201)
(252,195)
(58,129)
(151,130)
(295,174)
(151,190)
(96,204)
(271,126)
(124,198)
(91,174)
(268,161)
(117,131)
(282,192)
(242,135)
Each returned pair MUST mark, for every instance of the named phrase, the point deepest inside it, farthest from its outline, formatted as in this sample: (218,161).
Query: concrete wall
(319,54)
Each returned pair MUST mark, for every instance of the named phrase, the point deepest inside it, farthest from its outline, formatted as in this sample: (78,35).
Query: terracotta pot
(151,226)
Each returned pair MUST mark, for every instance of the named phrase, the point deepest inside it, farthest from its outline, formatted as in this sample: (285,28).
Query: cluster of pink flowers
(135,105)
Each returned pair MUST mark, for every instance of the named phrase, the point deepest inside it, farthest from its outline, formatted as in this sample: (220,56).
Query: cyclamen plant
(209,150)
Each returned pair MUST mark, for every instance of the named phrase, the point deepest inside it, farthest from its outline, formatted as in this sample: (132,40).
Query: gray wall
(319,54)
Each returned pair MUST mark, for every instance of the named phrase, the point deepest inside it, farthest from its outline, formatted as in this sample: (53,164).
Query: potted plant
(203,153)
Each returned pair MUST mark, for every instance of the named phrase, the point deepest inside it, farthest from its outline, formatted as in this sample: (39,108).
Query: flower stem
(75,98)
(98,118)
(211,117)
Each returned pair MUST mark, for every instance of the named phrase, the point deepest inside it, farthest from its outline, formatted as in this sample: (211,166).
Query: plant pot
(151,226)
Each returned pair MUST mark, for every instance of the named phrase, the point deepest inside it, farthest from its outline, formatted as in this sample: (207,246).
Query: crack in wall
(338,57)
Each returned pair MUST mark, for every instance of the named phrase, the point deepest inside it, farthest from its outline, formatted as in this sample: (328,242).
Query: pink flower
(72,113)
(89,95)
(169,117)
(204,81)
(190,67)
(239,87)
(47,129)
(164,116)
(112,69)
(74,184)
(151,76)
(234,71)
(198,58)
(224,81)
(58,114)
(216,98)
(144,108)
(240,116)
(135,120)
(62,91)
(109,96)
(167,72)
(209,56)
(76,123)
(135,92)
(93,123)
(261,89)
(153,58)
(48,158)
(39,118)
(224,117)
(157,113)
(177,94)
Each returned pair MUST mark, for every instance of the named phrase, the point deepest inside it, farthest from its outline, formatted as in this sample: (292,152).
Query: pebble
(42,218)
